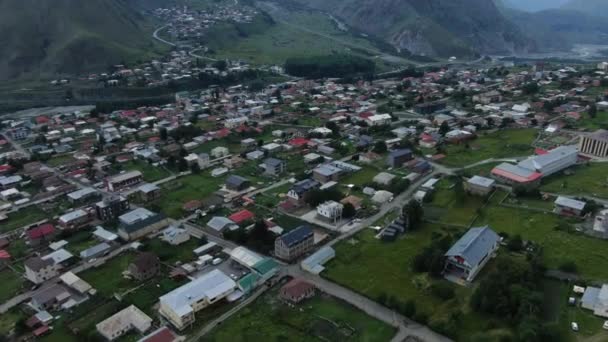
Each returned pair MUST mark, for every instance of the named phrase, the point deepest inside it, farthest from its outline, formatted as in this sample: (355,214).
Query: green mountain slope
(591,7)
(47,38)
(431,27)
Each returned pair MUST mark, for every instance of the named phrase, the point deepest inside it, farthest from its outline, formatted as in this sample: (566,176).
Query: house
(480,186)
(139,223)
(255,155)
(600,224)
(110,208)
(242,217)
(568,207)
(203,160)
(353,200)
(326,173)
(74,282)
(163,334)
(300,189)
(180,305)
(145,266)
(38,270)
(74,219)
(296,290)
(382,196)
(237,183)
(596,299)
(175,236)
(379,120)
(50,298)
(40,234)
(219,152)
(148,192)
(430,107)
(218,225)
(274,167)
(470,253)
(95,251)
(122,322)
(330,211)
(384,178)
(124,180)
(295,243)
(399,157)
(83,195)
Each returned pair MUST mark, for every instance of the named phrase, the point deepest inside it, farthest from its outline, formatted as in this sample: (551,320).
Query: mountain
(534,5)
(440,28)
(591,7)
(48,38)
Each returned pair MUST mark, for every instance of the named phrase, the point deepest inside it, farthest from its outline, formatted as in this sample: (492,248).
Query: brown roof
(145,261)
(296,287)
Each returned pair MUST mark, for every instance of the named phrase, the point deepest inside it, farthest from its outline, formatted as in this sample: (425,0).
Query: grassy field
(60,160)
(269,319)
(448,208)
(599,121)
(589,179)
(389,263)
(172,254)
(359,178)
(151,173)
(23,217)
(500,144)
(188,188)
(10,284)
(107,278)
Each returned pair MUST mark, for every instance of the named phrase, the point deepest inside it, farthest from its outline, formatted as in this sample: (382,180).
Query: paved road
(406,326)
(155,36)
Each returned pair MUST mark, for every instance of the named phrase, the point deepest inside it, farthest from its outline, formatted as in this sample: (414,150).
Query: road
(406,326)
(155,36)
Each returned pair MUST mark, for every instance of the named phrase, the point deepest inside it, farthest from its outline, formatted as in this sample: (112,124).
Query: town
(239,212)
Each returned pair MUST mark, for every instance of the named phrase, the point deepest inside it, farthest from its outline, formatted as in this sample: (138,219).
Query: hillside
(533,6)
(433,27)
(47,38)
(591,7)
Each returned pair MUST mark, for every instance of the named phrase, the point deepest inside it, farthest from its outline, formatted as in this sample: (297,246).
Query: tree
(182,165)
(515,243)
(413,214)
(195,168)
(380,147)
(163,134)
(444,128)
(348,211)
(220,65)
(592,111)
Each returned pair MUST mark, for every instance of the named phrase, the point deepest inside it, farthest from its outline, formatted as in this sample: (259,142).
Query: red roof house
(241,216)
(41,232)
(299,142)
(297,290)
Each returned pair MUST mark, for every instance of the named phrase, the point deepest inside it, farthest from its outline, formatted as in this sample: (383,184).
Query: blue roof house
(470,254)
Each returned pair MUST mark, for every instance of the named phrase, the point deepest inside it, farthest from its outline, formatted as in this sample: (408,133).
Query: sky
(534,5)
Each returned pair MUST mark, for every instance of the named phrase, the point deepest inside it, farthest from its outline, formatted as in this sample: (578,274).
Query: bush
(442,290)
(568,266)
(421,318)
(409,309)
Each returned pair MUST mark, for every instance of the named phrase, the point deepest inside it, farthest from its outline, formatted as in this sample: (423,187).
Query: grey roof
(474,245)
(236,180)
(590,297)
(125,176)
(36,263)
(135,215)
(400,153)
(304,186)
(219,223)
(481,181)
(516,170)
(570,203)
(273,162)
(296,236)
(327,170)
(76,195)
(95,250)
(538,162)
(148,187)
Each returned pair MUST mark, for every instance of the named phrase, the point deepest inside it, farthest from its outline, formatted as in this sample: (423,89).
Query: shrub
(442,290)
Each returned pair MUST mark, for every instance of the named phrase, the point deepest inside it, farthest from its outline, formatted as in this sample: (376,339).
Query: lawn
(10,284)
(151,173)
(59,160)
(187,188)
(107,278)
(500,144)
(80,241)
(171,254)
(449,208)
(484,170)
(320,318)
(23,217)
(361,177)
(591,179)
(373,268)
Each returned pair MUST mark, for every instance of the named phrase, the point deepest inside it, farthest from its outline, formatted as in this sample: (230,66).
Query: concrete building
(470,253)
(122,322)
(595,144)
(301,188)
(274,167)
(480,186)
(568,207)
(110,208)
(38,270)
(144,266)
(330,211)
(399,157)
(294,244)
(148,192)
(124,180)
(296,290)
(74,219)
(139,223)
(175,235)
(180,305)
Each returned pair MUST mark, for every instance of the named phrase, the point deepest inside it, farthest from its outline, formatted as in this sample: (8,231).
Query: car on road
(605,326)
(574,326)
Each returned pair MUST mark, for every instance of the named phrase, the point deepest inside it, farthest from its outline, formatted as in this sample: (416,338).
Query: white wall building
(330,210)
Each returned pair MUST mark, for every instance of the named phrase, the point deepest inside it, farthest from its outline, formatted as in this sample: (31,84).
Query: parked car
(574,326)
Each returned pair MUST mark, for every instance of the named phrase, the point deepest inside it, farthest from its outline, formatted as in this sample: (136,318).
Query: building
(430,107)
(180,305)
(237,183)
(326,173)
(148,192)
(83,195)
(139,223)
(379,120)
(124,180)
(300,189)
(384,178)
(163,334)
(480,186)
(74,219)
(556,160)
(596,299)
(488,97)
(95,251)
(516,175)
(470,253)
(274,167)
(294,244)
(122,322)
(76,283)
(219,224)
(600,224)
(219,152)
(38,270)
(399,157)
(203,160)
(595,144)
(110,208)
(144,266)
(41,234)
(175,235)
(51,298)
(297,290)
(314,263)
(242,216)
(330,211)
(568,207)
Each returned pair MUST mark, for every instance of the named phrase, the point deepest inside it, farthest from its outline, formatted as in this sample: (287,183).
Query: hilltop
(69,36)
(591,7)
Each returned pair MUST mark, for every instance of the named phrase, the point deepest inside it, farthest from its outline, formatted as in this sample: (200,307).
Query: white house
(175,236)
(122,322)
(330,211)
(219,152)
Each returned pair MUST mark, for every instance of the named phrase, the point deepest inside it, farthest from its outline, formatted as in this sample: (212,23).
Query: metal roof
(296,236)
(481,181)
(570,203)
(474,245)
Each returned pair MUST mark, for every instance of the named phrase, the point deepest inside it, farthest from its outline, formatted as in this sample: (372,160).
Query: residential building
(595,144)
(38,270)
(568,207)
(399,157)
(51,298)
(163,334)
(110,208)
(124,180)
(122,322)
(430,107)
(274,167)
(330,211)
(242,216)
(300,189)
(297,290)
(139,223)
(384,178)
(237,183)
(180,305)
(83,195)
(203,160)
(175,235)
(95,251)
(294,244)
(470,253)
(379,120)
(218,225)
(326,173)
(41,234)
(145,266)
(600,224)
(148,192)
(596,300)
(74,219)
(480,186)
